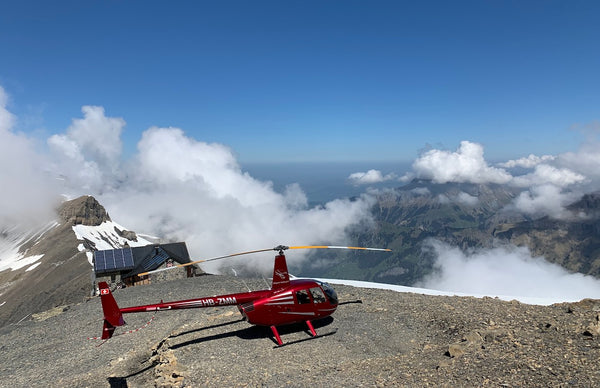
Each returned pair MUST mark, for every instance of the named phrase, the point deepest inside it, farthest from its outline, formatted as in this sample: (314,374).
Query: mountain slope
(462,215)
(465,216)
(50,267)
(572,243)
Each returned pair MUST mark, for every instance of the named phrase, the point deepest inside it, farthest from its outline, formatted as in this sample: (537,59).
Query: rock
(593,329)
(85,210)
(473,338)
(470,340)
(457,349)
(496,335)
(126,234)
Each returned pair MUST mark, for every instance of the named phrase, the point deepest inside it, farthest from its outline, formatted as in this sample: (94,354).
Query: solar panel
(155,260)
(113,260)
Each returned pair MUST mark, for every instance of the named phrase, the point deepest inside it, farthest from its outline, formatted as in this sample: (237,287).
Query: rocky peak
(85,210)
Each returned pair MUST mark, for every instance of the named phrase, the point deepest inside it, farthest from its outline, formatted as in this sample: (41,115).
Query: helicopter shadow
(121,382)
(248,333)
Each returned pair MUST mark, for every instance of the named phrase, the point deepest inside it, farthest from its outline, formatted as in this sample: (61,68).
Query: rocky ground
(375,338)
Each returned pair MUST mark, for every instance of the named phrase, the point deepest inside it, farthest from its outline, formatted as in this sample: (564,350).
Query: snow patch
(11,241)
(33,267)
(24,262)
(105,237)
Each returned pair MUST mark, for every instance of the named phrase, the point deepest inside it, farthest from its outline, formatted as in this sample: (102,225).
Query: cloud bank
(175,187)
(548,183)
(181,188)
(508,271)
(28,190)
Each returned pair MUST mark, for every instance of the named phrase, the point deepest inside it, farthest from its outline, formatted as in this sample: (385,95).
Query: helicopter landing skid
(306,339)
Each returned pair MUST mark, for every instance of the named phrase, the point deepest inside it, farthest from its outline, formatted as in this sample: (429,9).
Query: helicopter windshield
(329,293)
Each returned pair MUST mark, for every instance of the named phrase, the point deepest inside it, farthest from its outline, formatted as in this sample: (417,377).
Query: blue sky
(326,81)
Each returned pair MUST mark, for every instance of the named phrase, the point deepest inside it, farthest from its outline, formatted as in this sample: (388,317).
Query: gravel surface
(375,338)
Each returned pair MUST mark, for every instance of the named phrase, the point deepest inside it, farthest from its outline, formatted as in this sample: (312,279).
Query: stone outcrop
(85,210)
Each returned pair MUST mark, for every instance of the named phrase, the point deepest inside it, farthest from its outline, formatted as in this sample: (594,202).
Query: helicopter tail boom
(112,314)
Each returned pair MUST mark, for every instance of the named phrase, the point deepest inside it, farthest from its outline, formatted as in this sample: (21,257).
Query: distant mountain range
(574,244)
(466,216)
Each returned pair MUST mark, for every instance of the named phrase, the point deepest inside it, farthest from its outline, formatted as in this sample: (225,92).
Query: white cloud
(545,200)
(465,165)
(407,177)
(7,119)
(28,192)
(544,174)
(586,160)
(184,189)
(553,182)
(460,198)
(370,177)
(505,271)
(528,162)
(89,153)
(421,191)
(175,187)
(467,199)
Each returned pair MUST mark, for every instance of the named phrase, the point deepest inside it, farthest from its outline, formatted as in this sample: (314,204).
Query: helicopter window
(330,293)
(317,294)
(302,297)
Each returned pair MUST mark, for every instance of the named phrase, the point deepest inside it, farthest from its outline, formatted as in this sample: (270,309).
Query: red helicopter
(286,302)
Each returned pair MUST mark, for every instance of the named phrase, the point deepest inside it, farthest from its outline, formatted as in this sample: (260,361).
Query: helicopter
(286,302)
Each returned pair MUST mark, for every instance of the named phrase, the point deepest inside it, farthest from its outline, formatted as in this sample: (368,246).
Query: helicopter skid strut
(278,337)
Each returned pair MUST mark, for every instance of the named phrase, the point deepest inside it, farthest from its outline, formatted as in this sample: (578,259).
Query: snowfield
(11,241)
(104,236)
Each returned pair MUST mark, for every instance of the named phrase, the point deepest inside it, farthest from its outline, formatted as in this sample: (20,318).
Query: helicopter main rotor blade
(339,247)
(279,248)
(204,261)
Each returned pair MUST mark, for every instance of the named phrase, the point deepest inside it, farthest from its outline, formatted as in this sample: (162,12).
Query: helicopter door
(304,307)
(302,297)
